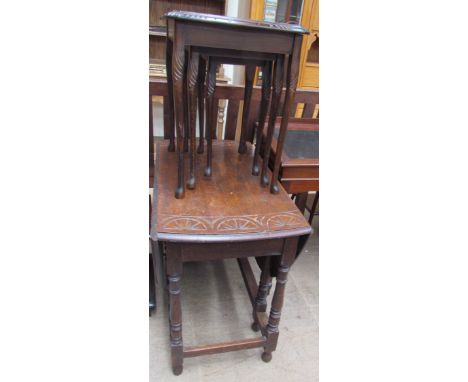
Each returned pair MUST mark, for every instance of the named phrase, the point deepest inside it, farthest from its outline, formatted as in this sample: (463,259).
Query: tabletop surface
(229,206)
(238,22)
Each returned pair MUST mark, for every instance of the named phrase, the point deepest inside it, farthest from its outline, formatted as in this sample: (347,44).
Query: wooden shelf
(157,31)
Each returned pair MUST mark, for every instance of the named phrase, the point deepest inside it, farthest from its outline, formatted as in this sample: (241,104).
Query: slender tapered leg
(174,274)
(170,94)
(211,110)
(192,102)
(277,87)
(178,71)
(266,91)
(201,104)
(291,84)
(272,331)
(249,76)
(186,106)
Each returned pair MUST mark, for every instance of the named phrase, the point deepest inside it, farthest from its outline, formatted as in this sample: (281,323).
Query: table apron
(218,251)
(237,39)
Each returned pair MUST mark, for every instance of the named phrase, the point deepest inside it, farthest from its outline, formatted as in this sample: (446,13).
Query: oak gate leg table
(190,29)
(228,216)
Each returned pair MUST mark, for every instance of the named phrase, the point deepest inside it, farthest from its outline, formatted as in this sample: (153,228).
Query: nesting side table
(190,29)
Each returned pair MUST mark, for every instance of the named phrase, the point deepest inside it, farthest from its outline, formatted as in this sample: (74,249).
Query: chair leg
(314,207)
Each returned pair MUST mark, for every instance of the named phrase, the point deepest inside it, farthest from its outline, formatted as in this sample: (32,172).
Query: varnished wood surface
(228,206)
(236,22)
(300,174)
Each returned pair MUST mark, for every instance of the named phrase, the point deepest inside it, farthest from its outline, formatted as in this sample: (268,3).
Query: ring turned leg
(201,103)
(266,91)
(277,87)
(291,84)
(211,113)
(174,274)
(264,287)
(249,76)
(192,90)
(272,331)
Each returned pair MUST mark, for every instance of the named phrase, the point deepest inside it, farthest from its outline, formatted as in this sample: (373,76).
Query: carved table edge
(220,238)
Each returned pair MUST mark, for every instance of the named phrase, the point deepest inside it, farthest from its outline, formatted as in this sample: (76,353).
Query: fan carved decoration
(230,224)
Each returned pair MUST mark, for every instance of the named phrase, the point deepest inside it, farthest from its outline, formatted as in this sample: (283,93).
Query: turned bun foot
(274,189)
(180,193)
(177,370)
(191,184)
(255,170)
(255,327)
(266,357)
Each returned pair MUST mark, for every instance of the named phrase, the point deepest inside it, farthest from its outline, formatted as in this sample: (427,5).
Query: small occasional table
(203,31)
(228,217)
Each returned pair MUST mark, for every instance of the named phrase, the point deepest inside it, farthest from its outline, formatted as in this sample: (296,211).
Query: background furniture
(299,173)
(306,13)
(157,24)
(228,217)
(157,36)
